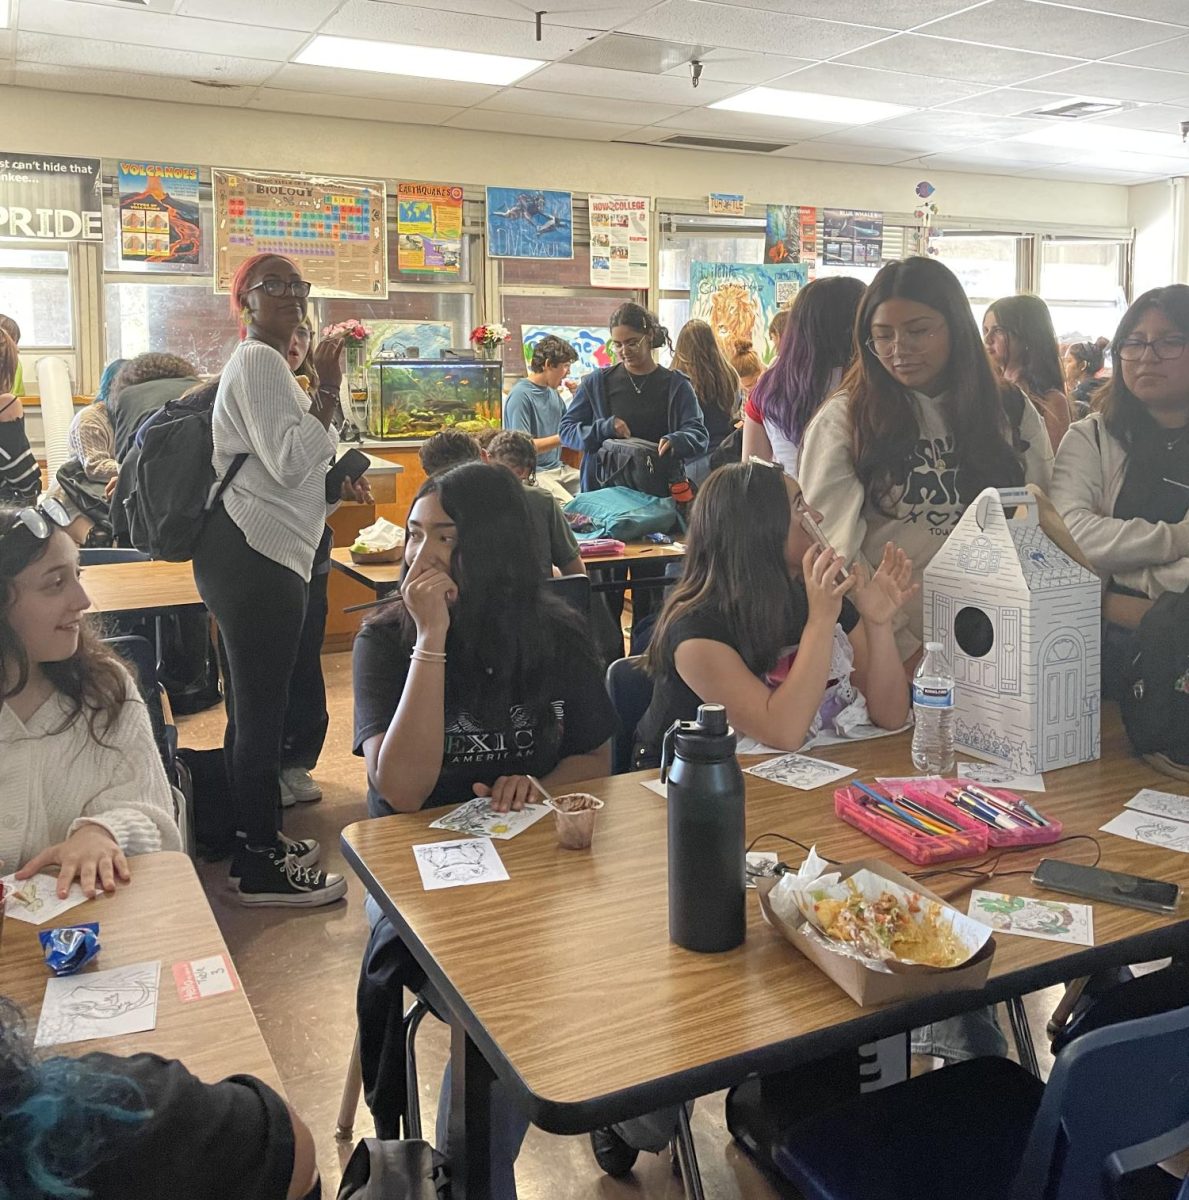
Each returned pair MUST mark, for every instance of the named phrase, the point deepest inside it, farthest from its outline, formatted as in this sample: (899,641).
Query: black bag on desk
(1155,698)
(635,463)
(397,1170)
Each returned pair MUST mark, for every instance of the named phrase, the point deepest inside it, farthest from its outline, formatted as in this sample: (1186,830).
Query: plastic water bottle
(933,714)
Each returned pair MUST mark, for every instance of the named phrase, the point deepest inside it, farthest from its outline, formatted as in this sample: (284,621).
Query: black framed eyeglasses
(1165,348)
(275,287)
(40,521)
(630,346)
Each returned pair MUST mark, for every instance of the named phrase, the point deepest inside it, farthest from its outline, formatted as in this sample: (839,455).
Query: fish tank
(412,399)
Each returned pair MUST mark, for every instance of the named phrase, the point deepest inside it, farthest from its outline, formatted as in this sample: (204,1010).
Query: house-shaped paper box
(1020,624)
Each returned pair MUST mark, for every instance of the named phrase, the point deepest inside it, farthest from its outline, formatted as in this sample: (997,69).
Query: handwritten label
(201,978)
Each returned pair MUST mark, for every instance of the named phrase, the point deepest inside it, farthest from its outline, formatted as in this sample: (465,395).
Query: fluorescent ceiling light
(1096,138)
(5,13)
(812,106)
(425,62)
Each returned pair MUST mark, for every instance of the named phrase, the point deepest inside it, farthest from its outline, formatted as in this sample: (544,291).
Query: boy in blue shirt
(535,406)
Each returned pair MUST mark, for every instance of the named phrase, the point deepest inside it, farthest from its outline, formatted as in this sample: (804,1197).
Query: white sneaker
(298,786)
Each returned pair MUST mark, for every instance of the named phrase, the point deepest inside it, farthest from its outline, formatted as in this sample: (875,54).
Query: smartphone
(1111,887)
(351,466)
(814,530)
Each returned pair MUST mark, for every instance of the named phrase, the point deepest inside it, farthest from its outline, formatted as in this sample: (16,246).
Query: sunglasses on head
(40,521)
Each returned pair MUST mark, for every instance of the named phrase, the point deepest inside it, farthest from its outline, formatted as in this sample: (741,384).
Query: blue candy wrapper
(70,948)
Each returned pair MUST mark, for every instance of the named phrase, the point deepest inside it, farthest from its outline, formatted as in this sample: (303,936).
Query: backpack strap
(1014,404)
(237,462)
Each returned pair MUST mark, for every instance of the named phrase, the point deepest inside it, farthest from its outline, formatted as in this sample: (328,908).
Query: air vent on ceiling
(1077,110)
(713,143)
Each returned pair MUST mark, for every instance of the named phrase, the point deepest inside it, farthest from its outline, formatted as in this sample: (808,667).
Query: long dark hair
(637,317)
(1124,414)
(504,630)
(735,567)
(1028,319)
(884,430)
(91,679)
(699,355)
(818,339)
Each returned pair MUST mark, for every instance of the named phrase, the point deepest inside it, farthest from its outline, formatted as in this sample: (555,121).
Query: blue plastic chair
(631,693)
(989,1130)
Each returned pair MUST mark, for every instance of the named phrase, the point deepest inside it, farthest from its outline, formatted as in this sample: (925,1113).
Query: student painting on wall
(535,405)
(816,348)
(716,383)
(20,476)
(1018,333)
(1082,364)
(921,426)
(252,566)
(471,680)
(1121,479)
(82,788)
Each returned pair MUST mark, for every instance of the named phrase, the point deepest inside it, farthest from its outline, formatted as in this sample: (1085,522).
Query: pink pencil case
(593,547)
(917,847)
(932,792)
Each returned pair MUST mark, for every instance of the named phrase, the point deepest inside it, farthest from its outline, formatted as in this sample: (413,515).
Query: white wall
(1151,211)
(66,123)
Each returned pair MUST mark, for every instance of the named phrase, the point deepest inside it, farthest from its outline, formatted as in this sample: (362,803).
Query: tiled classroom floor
(299,971)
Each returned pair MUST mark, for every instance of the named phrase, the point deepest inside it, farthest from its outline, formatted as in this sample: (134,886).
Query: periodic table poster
(334,229)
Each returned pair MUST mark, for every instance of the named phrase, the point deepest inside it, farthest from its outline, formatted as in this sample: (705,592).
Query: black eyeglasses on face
(40,521)
(277,287)
(1166,348)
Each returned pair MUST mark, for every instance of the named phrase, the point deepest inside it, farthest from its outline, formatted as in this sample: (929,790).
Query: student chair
(573,589)
(631,693)
(986,1129)
(98,556)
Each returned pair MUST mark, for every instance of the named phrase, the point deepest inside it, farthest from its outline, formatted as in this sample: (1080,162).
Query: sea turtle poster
(524,223)
(739,300)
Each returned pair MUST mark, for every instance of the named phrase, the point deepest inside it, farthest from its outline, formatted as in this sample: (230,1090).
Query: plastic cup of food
(575,818)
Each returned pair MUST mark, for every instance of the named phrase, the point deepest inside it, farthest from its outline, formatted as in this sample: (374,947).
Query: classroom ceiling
(966,75)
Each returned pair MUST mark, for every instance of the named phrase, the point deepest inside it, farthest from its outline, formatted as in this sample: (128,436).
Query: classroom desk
(564,984)
(161,915)
(141,587)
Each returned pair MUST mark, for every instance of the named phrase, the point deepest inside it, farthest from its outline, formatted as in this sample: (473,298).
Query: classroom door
(1062,674)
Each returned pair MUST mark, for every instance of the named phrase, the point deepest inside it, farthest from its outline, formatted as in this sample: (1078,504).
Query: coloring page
(458,864)
(800,771)
(1161,804)
(655,785)
(99,1004)
(1153,831)
(993,775)
(1051,920)
(35,900)
(476,818)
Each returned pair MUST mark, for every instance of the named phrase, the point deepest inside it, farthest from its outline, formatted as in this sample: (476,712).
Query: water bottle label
(932,697)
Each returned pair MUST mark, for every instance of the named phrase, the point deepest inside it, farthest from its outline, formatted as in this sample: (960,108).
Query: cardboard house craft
(1020,624)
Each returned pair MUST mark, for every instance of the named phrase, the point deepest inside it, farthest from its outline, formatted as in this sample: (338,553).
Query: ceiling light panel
(812,106)
(424,62)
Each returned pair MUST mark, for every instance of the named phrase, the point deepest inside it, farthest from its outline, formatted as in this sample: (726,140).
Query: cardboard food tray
(864,986)
(380,556)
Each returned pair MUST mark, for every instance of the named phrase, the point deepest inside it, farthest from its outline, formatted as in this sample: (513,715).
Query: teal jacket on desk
(588,422)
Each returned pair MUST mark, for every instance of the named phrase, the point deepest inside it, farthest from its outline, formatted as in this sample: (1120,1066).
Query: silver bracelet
(426,656)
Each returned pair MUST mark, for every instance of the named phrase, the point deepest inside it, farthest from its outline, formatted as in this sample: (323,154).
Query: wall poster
(45,196)
(334,229)
(429,228)
(159,220)
(739,300)
(852,237)
(619,241)
(529,224)
(590,344)
(791,234)
(726,204)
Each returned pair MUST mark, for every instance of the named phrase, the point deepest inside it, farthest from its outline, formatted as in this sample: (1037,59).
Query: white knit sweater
(278,497)
(50,783)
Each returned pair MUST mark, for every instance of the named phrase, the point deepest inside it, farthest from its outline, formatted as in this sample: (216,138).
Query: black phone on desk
(1111,887)
(351,466)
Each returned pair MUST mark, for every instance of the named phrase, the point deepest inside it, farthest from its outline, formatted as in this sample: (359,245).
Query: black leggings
(259,606)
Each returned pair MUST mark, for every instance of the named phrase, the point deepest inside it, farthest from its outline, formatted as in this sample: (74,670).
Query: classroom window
(35,292)
(174,318)
(987,265)
(412,318)
(683,244)
(1082,281)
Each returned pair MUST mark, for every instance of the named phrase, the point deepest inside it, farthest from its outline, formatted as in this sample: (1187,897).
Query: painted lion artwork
(734,315)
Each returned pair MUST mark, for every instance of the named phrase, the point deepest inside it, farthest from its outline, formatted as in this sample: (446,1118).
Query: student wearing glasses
(82,788)
(253,564)
(1121,479)
(921,426)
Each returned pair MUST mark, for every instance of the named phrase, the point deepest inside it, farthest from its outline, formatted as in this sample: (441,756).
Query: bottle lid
(708,739)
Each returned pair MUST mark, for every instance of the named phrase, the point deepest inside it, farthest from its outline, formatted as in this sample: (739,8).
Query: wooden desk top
(140,586)
(635,550)
(567,981)
(161,915)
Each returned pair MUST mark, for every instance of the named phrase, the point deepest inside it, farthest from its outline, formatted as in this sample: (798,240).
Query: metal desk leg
(1022,1035)
(470,1118)
(687,1157)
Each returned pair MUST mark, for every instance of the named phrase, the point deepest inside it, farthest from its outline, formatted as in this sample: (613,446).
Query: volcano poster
(159,220)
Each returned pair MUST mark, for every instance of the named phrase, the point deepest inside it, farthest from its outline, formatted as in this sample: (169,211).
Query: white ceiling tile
(724,123)
(123,83)
(111,56)
(414,26)
(886,14)
(625,85)
(740,66)
(1005,102)
(750,29)
(863,83)
(941,59)
(577,14)
(1025,25)
(1172,11)
(877,156)
(1120,83)
(579,108)
(905,141)
(278,100)
(1022,154)
(329,81)
(970,164)
(1168,56)
(279,14)
(138,30)
(1156,118)
(958,125)
(557,127)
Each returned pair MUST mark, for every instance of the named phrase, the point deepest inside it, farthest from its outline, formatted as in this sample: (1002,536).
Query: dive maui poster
(429,228)
(522,223)
(159,213)
(739,300)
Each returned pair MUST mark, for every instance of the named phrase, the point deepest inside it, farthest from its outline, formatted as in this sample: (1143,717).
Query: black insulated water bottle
(707,881)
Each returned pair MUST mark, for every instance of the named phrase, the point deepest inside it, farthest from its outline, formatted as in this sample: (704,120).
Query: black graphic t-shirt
(577,719)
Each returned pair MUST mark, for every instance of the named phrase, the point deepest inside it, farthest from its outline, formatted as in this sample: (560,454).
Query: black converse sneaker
(272,879)
(305,853)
